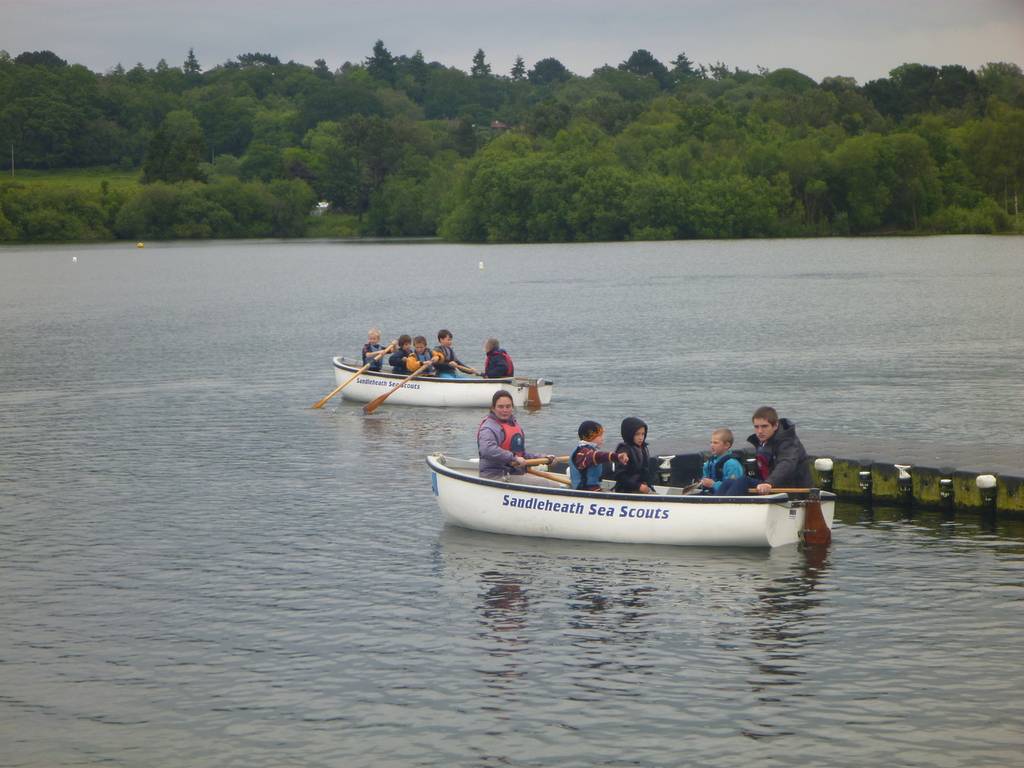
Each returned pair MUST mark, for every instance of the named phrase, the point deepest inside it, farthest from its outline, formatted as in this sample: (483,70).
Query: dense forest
(398,146)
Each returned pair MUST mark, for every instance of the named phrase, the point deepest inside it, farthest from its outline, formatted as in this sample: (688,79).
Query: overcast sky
(864,39)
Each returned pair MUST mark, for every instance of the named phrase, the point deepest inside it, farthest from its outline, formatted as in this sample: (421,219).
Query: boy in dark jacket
(448,365)
(781,458)
(635,475)
(397,358)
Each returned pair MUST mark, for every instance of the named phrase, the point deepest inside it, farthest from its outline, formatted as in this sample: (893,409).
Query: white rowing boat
(423,390)
(667,517)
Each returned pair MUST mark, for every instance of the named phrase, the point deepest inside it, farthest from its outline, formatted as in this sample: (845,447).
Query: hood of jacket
(630,425)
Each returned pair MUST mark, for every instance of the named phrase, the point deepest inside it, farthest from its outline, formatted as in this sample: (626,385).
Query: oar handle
(550,476)
(544,460)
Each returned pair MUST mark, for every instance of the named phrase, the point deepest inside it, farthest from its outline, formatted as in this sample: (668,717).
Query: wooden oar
(550,476)
(784,490)
(543,460)
(375,355)
(374,404)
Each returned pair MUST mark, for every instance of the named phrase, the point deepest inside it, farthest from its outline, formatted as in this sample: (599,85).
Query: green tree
(548,71)
(47,59)
(480,66)
(1004,81)
(518,70)
(683,69)
(642,62)
(176,150)
(191,66)
(381,64)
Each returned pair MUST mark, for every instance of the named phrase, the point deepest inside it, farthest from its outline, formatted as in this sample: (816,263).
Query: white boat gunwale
(351,366)
(689,499)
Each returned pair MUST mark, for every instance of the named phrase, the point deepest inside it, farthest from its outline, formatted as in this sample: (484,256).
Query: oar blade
(374,404)
(320,403)
(533,397)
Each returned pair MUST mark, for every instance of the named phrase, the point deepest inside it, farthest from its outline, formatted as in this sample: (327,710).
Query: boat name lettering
(627,511)
(386,383)
(575,507)
(639,512)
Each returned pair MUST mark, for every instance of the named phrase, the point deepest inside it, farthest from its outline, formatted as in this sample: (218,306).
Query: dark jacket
(629,477)
(499,364)
(397,361)
(447,358)
(782,461)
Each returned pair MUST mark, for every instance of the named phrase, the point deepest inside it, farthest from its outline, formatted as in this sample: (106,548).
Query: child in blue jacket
(723,473)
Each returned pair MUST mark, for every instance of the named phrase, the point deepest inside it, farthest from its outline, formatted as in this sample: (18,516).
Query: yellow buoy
(140,245)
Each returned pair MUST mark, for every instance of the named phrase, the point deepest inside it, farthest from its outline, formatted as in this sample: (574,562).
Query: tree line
(403,147)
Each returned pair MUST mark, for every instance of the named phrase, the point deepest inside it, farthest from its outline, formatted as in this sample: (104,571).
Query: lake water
(197,569)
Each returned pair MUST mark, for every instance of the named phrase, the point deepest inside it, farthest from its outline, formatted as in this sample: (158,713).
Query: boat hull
(496,506)
(434,392)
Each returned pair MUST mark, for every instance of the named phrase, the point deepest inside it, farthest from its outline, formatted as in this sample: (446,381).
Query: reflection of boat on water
(496,506)
(431,391)
(613,605)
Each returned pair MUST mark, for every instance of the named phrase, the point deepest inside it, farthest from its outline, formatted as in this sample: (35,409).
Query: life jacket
(369,349)
(716,465)
(512,437)
(448,354)
(589,477)
(501,353)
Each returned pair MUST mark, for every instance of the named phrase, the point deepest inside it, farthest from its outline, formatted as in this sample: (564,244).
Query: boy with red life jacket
(499,364)
(449,365)
(501,443)
(585,462)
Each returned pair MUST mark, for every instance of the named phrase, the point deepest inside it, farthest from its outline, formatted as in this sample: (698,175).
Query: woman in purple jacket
(502,444)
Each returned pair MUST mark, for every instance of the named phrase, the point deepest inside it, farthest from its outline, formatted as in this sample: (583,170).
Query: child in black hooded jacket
(634,477)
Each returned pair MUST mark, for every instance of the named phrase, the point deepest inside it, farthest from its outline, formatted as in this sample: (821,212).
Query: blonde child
(723,473)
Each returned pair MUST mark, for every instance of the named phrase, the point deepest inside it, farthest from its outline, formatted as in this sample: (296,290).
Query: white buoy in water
(481,265)
(74,259)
